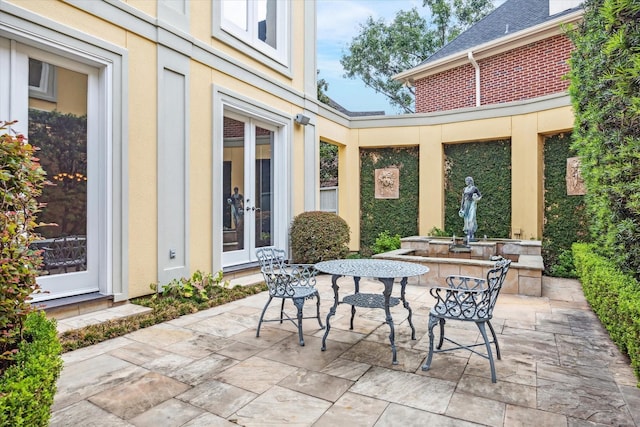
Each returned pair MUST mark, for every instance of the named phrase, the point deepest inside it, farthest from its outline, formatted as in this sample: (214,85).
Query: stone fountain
(446,256)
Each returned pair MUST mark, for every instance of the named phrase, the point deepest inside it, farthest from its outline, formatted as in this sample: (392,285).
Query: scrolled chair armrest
(465,282)
(460,303)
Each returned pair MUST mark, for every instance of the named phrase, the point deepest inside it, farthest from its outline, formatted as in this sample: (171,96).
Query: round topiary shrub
(318,236)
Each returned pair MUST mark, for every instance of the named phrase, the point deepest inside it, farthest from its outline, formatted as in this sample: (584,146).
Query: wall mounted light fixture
(301,119)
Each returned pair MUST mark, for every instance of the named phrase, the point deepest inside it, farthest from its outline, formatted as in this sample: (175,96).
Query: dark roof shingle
(510,17)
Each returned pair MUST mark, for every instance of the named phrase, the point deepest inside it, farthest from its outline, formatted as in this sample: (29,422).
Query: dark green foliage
(318,236)
(565,216)
(605,92)
(396,216)
(614,296)
(489,163)
(27,387)
(328,164)
(385,242)
(21,181)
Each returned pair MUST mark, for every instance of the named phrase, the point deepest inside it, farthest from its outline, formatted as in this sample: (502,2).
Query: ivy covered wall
(398,216)
(489,163)
(565,218)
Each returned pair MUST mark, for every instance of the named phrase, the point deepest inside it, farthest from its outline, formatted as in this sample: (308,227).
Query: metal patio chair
(468,299)
(296,282)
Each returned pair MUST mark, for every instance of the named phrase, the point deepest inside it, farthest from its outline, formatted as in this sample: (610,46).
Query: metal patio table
(385,271)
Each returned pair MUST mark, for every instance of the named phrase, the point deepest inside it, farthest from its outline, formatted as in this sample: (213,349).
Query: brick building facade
(526,72)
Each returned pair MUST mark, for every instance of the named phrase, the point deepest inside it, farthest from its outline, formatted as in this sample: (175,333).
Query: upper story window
(260,25)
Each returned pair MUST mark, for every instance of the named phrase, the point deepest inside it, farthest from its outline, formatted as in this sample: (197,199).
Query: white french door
(248,207)
(57,104)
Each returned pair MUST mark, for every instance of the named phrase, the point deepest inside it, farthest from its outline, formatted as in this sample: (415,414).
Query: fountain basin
(444,258)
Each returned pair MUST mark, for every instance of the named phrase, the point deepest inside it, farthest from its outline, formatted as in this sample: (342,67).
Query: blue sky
(338,22)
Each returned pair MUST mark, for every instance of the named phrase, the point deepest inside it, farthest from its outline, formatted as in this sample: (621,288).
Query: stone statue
(470,197)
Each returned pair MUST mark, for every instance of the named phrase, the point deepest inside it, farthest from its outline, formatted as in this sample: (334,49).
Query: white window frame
(247,40)
(107,87)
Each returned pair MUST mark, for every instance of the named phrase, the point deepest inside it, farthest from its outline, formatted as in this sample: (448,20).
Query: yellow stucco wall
(526,132)
(141,123)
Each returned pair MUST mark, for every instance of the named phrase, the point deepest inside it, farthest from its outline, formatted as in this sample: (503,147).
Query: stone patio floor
(558,368)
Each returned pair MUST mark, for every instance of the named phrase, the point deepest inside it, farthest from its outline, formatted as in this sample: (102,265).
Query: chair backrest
(271,259)
(495,280)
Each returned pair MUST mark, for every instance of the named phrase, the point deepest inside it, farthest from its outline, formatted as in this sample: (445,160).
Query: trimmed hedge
(615,298)
(318,236)
(27,387)
(605,93)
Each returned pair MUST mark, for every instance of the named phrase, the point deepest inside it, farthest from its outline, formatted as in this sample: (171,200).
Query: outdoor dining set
(461,298)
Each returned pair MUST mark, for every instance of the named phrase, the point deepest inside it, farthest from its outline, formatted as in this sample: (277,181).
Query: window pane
(233,181)
(267,22)
(235,11)
(59,129)
(264,186)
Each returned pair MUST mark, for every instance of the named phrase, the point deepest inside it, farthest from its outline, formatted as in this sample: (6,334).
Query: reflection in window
(42,80)
(253,20)
(58,127)
(267,22)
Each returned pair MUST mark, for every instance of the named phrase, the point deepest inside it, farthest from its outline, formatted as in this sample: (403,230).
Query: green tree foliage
(323,86)
(453,17)
(382,50)
(605,92)
(328,164)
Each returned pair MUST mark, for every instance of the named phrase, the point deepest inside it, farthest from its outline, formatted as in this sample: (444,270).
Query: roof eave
(521,38)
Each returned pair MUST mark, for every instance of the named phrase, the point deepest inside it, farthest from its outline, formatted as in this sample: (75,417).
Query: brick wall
(526,72)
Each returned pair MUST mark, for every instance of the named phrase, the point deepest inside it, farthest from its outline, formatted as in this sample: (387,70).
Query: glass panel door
(247,208)
(59,125)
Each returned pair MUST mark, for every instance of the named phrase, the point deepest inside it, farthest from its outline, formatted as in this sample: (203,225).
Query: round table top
(376,268)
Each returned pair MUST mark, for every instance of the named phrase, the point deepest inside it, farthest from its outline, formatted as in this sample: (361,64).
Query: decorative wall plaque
(575,183)
(387,183)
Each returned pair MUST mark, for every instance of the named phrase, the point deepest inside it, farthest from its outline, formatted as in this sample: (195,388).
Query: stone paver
(558,368)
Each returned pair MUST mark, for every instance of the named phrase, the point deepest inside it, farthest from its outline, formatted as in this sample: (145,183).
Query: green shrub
(437,232)
(318,236)
(564,266)
(21,182)
(615,298)
(199,287)
(28,386)
(385,242)
(605,94)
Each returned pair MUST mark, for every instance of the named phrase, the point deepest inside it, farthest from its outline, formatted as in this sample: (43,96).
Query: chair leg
(489,353)
(299,303)
(318,310)
(432,323)
(282,310)
(495,339)
(262,315)
(441,341)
